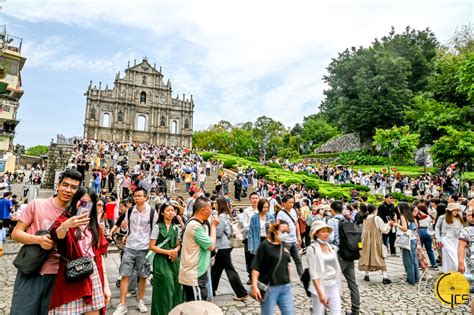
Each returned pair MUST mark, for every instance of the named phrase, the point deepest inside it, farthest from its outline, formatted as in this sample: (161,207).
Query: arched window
(106,120)
(162,121)
(186,124)
(144,80)
(141,123)
(174,127)
(143,97)
(120,117)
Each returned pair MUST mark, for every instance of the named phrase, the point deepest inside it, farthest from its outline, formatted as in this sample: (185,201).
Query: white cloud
(242,42)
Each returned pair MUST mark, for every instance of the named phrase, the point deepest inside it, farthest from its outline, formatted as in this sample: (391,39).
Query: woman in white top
(447,230)
(325,272)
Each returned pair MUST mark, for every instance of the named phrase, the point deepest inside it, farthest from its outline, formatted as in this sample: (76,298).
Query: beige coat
(371,258)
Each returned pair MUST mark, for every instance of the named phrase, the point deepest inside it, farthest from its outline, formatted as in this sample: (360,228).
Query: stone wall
(28,160)
(58,158)
(344,143)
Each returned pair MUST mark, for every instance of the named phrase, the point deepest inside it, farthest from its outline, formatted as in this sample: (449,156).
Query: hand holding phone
(84,207)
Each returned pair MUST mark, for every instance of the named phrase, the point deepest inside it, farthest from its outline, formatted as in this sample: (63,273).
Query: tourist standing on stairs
(288,214)
(247,215)
(136,247)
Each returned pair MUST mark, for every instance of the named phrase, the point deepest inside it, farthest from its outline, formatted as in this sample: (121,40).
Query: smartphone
(388,218)
(84,207)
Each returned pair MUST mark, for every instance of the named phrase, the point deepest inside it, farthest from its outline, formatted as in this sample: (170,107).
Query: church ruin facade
(139,108)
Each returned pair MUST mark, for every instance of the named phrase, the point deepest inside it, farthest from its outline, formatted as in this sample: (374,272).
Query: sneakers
(141,307)
(435,267)
(131,293)
(121,309)
(386,281)
(366,278)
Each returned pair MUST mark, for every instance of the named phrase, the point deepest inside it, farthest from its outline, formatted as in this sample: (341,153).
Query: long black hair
(93,223)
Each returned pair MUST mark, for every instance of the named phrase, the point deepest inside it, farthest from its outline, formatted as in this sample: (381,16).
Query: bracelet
(63,229)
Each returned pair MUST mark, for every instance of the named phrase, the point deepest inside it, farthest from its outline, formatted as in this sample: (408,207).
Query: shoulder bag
(31,257)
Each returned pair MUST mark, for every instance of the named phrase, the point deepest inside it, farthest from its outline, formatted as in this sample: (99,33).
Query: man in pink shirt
(32,293)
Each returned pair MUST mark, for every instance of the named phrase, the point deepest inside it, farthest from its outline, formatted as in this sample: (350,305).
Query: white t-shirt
(282,215)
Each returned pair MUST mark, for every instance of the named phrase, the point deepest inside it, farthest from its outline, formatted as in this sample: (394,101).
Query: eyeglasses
(69,186)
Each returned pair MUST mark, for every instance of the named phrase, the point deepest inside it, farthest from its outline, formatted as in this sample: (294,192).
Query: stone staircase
(180,191)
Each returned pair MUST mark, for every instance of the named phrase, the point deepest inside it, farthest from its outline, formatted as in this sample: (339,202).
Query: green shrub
(274,165)
(314,176)
(356,187)
(338,195)
(229,163)
(312,184)
(401,197)
(290,181)
(207,156)
(262,171)
(301,173)
(360,158)
(251,158)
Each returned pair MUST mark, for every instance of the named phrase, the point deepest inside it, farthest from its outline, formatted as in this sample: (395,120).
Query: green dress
(167,292)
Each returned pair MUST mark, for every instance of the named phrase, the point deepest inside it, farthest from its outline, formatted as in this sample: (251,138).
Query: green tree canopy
(406,145)
(37,150)
(455,146)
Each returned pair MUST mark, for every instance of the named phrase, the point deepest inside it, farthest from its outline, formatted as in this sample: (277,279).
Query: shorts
(135,260)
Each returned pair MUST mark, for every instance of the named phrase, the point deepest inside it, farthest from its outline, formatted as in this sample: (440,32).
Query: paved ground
(376,298)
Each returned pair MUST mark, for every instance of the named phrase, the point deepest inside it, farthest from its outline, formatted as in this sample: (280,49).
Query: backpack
(152,216)
(236,236)
(349,239)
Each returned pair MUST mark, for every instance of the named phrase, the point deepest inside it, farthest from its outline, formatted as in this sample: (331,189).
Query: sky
(239,59)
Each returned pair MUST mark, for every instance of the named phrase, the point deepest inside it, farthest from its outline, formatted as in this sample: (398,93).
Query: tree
(368,87)
(406,144)
(455,146)
(37,150)
(317,130)
(19,149)
(427,117)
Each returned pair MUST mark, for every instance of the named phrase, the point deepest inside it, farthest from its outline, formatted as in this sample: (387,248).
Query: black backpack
(349,239)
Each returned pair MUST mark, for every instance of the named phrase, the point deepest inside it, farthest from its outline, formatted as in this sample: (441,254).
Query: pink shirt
(40,214)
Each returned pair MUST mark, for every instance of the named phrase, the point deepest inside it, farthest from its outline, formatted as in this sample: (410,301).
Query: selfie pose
(77,235)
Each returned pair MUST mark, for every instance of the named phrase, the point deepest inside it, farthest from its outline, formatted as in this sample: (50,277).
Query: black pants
(224,262)
(199,292)
(248,259)
(125,192)
(391,236)
(305,237)
(348,270)
(111,184)
(32,294)
(296,258)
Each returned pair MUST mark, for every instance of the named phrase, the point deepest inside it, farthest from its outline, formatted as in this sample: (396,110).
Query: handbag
(31,257)
(262,287)
(403,240)
(79,268)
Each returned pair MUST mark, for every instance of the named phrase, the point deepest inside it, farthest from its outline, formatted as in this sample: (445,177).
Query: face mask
(283,236)
(321,241)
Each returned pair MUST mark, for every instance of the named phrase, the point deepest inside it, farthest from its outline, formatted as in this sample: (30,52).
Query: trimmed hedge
(356,187)
(207,156)
(274,165)
(229,163)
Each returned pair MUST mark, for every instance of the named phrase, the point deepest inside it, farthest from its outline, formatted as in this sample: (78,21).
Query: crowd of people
(185,244)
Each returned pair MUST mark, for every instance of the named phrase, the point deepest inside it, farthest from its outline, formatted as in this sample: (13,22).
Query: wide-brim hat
(318,225)
(454,206)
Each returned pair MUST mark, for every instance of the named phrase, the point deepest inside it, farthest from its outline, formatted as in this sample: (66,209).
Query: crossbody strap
(277,264)
(289,216)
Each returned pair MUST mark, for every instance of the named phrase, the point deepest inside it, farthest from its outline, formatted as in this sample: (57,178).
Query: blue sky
(240,59)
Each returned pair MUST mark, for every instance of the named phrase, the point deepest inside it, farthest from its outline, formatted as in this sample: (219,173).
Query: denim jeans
(427,241)
(280,295)
(410,262)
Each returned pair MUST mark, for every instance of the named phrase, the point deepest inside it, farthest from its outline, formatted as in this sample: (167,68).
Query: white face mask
(283,236)
(321,241)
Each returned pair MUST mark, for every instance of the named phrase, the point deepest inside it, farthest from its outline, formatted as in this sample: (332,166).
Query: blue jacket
(253,236)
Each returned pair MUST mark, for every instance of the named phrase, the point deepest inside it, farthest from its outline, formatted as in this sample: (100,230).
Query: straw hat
(318,225)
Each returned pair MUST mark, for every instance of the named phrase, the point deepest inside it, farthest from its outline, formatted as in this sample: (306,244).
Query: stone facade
(139,108)
(344,143)
(59,155)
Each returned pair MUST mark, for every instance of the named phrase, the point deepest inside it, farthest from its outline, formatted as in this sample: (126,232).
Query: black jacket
(385,210)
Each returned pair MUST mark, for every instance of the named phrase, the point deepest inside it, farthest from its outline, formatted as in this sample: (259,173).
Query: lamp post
(395,143)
